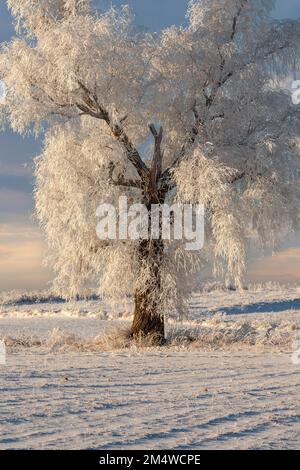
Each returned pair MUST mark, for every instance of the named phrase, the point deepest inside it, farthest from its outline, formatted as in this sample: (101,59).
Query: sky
(22,247)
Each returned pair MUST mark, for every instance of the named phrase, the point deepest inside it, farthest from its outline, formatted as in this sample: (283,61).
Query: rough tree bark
(148,320)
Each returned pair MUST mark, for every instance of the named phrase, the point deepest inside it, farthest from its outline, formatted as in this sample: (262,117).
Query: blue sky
(21,243)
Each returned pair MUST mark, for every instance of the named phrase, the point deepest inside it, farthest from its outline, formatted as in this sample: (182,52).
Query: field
(228,377)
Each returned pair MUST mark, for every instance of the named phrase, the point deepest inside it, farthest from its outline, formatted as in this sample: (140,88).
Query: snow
(225,379)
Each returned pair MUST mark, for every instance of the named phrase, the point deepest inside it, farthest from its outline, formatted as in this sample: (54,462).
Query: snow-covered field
(228,377)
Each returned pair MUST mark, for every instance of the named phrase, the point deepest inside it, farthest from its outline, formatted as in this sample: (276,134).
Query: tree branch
(121,180)
(156,164)
(237,177)
(166,176)
(158,154)
(165,184)
(222,81)
(94,109)
(235,19)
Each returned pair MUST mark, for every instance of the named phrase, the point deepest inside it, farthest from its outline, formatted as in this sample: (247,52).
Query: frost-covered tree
(195,114)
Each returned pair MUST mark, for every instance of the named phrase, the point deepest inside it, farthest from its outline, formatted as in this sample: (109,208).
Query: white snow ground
(229,376)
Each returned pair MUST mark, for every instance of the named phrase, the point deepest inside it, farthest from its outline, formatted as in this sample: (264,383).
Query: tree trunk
(148,321)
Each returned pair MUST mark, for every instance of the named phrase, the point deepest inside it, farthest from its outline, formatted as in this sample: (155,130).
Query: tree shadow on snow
(262,307)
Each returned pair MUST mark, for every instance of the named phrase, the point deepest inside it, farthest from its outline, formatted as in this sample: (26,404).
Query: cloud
(16,183)
(287,9)
(6,28)
(15,202)
(17,150)
(22,251)
(284,266)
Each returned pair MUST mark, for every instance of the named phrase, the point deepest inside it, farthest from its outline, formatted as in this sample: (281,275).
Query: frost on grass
(215,332)
(261,316)
(17,297)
